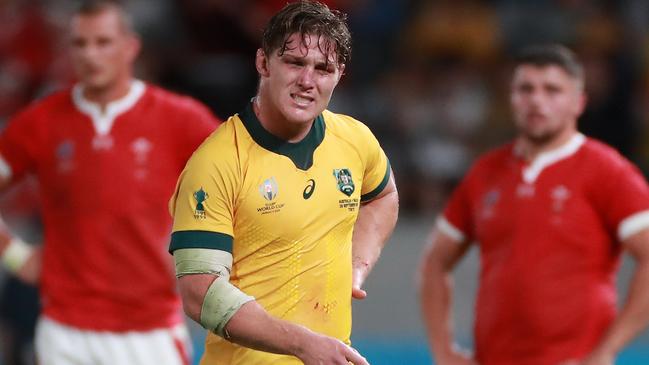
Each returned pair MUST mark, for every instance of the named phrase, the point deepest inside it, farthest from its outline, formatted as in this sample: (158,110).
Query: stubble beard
(542,137)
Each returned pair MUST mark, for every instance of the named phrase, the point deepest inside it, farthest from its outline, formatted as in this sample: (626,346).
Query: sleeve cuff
(5,169)
(450,230)
(632,225)
(372,194)
(200,239)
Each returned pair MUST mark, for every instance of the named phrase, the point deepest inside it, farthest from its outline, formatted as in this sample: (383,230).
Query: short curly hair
(308,17)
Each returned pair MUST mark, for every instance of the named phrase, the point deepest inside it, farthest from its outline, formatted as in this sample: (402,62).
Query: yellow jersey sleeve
(377,166)
(203,204)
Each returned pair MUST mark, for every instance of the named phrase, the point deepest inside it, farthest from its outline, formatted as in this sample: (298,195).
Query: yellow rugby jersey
(286,211)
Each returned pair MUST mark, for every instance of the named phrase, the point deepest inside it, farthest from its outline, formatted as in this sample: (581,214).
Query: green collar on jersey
(301,153)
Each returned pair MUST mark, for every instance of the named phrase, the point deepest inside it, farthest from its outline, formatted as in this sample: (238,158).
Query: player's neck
(276,124)
(106,95)
(530,149)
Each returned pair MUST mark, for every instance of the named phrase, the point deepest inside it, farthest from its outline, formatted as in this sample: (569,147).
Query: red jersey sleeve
(457,219)
(196,123)
(19,144)
(622,196)
(203,123)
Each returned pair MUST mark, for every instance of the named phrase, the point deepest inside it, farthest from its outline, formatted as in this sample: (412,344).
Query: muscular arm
(251,326)
(436,292)
(376,220)
(634,316)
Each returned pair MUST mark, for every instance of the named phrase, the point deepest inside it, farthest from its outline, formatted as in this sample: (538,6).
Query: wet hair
(93,7)
(551,55)
(306,17)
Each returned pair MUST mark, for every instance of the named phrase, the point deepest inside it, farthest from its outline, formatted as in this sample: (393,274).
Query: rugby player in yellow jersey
(280,215)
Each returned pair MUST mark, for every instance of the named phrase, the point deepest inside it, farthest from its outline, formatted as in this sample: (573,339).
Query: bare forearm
(375,223)
(277,336)
(436,291)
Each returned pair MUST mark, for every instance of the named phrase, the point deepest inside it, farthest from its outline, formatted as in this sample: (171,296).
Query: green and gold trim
(372,194)
(200,239)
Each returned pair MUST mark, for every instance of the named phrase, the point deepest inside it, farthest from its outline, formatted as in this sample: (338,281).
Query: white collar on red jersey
(545,159)
(103,122)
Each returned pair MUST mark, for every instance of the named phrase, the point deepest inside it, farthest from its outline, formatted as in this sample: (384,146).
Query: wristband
(16,254)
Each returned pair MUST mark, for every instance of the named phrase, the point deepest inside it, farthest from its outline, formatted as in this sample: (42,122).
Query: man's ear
(341,68)
(261,62)
(134,47)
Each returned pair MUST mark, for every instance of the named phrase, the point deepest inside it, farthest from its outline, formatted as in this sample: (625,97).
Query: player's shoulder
(55,102)
(346,127)
(602,155)
(174,100)
(494,158)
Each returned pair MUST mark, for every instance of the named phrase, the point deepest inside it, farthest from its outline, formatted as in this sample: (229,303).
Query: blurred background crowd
(430,78)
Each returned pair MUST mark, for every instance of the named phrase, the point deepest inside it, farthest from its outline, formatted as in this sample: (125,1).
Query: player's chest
(276,192)
(128,152)
(508,205)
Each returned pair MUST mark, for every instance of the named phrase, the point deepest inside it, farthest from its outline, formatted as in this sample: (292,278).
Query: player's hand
(30,272)
(329,351)
(358,276)
(456,357)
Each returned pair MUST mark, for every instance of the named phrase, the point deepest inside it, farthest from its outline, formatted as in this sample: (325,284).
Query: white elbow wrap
(16,254)
(221,302)
(222,299)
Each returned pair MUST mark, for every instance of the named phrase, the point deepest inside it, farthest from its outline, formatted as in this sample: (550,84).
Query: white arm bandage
(222,299)
(203,261)
(16,254)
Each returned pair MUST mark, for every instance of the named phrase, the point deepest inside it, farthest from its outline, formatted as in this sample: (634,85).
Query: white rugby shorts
(59,344)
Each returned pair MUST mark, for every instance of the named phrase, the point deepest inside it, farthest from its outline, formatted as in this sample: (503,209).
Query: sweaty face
(299,82)
(102,51)
(546,101)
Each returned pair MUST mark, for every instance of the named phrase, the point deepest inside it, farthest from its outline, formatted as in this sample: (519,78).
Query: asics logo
(308,191)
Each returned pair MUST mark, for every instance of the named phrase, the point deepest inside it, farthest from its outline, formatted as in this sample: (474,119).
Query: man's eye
(103,41)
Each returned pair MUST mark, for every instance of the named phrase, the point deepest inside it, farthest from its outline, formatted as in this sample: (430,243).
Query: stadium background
(429,77)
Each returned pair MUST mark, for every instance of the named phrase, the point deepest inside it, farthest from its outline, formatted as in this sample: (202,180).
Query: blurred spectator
(25,53)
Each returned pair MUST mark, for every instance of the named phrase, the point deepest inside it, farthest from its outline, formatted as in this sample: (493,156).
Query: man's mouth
(535,116)
(301,100)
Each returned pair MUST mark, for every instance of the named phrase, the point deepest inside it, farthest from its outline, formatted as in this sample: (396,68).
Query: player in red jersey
(551,213)
(107,154)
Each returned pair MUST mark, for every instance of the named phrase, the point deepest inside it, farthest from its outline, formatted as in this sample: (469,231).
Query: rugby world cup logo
(268,189)
(200,196)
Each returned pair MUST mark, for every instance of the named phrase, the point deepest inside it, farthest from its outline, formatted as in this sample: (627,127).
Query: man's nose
(536,98)
(305,79)
(89,51)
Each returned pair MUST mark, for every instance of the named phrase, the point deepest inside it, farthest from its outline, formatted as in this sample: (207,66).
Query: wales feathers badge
(200,196)
(344,180)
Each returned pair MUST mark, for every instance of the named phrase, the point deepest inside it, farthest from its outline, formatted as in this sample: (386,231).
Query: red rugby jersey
(548,233)
(105,181)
